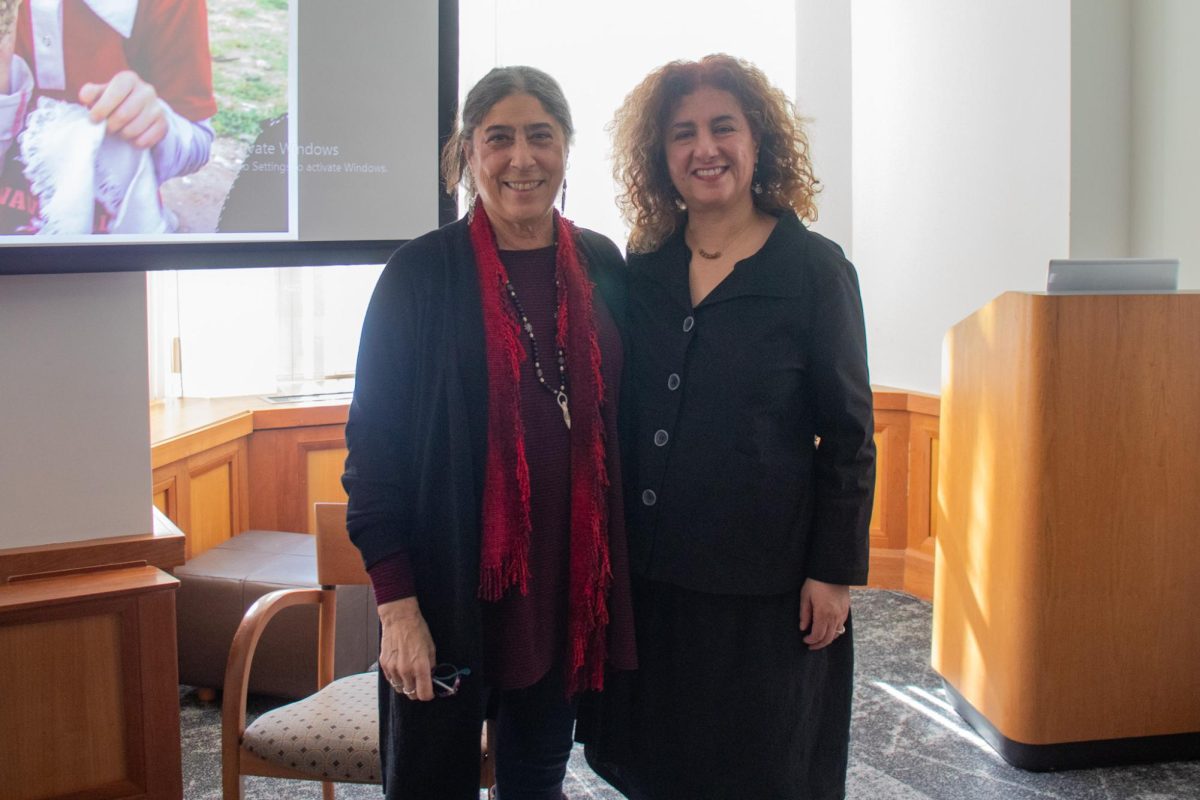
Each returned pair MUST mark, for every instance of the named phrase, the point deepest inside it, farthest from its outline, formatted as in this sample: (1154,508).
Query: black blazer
(726,491)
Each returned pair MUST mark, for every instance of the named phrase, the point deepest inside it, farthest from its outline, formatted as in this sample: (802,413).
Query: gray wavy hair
(498,84)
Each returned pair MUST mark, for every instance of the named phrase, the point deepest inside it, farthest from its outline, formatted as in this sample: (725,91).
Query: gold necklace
(712,256)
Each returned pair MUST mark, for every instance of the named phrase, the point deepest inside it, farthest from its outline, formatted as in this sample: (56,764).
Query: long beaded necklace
(560,394)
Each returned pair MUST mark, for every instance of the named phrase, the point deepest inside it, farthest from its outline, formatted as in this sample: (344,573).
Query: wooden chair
(332,735)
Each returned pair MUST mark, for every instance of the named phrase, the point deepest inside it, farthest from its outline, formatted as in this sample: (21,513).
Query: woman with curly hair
(752,462)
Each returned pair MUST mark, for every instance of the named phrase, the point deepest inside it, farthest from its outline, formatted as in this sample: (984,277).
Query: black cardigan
(417,436)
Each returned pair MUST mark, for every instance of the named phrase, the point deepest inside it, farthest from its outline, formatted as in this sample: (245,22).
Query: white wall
(823,97)
(599,51)
(958,162)
(74,427)
(1101,128)
(1166,133)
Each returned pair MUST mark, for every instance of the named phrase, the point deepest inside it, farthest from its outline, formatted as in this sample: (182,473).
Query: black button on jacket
(774,357)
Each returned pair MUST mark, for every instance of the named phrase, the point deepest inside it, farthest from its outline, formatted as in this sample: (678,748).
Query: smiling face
(710,150)
(516,157)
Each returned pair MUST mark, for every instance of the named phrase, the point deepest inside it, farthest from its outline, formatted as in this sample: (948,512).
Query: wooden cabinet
(294,468)
(88,691)
(229,465)
(205,495)
(201,476)
(225,466)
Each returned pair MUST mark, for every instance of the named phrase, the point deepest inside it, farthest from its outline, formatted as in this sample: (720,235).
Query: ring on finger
(841,629)
(409,692)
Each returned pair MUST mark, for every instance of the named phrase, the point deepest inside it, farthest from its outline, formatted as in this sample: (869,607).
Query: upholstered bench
(217,586)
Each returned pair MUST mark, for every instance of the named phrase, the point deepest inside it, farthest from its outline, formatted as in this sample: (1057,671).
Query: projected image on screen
(247,176)
(109,103)
(175,121)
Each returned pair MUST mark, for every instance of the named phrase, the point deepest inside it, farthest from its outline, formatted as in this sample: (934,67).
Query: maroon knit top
(525,635)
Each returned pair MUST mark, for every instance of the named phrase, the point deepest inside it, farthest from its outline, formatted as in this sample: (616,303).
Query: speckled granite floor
(906,742)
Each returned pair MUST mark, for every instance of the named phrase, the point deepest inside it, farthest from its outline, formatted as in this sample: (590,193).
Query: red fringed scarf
(504,559)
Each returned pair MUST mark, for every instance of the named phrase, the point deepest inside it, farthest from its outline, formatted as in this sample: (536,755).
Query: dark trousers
(534,735)
(431,750)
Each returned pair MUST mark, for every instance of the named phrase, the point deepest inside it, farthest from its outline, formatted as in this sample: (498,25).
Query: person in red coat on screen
(140,67)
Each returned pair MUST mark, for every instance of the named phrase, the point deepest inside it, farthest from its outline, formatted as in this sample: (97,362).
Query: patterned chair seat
(332,735)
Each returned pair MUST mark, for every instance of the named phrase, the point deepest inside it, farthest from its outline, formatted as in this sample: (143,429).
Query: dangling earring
(563,202)
(679,201)
(756,186)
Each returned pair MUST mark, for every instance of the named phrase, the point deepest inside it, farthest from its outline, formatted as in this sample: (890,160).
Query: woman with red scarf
(483,474)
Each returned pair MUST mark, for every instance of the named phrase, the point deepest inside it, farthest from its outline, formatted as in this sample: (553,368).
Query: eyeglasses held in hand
(447,678)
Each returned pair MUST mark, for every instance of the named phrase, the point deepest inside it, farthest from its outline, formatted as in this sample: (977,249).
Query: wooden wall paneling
(879,526)
(271,474)
(934,501)
(175,481)
(284,462)
(212,520)
(165,490)
(324,463)
(921,473)
(889,516)
(218,500)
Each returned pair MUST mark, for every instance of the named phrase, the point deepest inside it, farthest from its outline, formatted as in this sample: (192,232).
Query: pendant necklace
(560,394)
(715,254)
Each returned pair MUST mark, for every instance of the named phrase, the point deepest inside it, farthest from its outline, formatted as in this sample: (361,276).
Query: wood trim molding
(56,589)
(887,398)
(163,548)
(328,443)
(207,437)
(300,416)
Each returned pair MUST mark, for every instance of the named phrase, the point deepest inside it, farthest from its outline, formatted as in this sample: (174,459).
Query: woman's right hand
(406,652)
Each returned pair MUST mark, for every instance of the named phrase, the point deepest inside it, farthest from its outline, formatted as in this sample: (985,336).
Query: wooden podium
(1067,580)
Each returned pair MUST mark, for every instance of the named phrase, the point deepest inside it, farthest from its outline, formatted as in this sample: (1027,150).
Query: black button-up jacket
(730,492)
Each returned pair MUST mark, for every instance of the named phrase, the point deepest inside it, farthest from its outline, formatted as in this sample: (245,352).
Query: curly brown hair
(649,201)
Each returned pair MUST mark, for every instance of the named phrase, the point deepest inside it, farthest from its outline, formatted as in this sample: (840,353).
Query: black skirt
(728,703)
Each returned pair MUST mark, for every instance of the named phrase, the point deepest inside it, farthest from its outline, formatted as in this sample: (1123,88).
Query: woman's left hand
(825,607)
